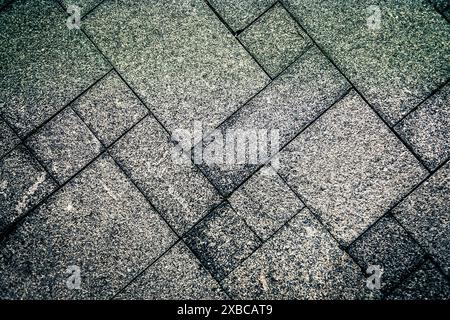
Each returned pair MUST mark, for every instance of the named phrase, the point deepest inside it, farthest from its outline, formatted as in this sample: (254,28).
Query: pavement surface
(224,149)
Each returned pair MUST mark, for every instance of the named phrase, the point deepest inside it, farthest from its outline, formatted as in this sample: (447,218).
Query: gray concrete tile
(178,57)
(275,40)
(302,261)
(396,63)
(222,241)
(109,108)
(84,5)
(23,184)
(8,139)
(45,65)
(178,190)
(389,246)
(265,202)
(64,145)
(425,213)
(238,14)
(349,167)
(427,129)
(288,105)
(98,222)
(427,283)
(177,275)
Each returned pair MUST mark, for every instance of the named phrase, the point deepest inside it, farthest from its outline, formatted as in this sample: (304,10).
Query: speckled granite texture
(209,149)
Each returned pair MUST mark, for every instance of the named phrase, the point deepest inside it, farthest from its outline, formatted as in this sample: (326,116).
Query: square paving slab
(349,167)
(275,40)
(109,108)
(222,240)
(388,245)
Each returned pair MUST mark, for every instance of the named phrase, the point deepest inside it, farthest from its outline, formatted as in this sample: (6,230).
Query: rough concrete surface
(210,149)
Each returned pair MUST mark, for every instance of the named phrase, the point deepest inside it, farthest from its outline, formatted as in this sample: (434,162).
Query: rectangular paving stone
(84,5)
(265,202)
(275,40)
(289,104)
(388,245)
(395,52)
(23,184)
(222,241)
(302,261)
(427,283)
(179,58)
(8,139)
(238,14)
(349,168)
(109,108)
(44,64)
(177,275)
(178,190)
(427,129)
(425,213)
(65,145)
(99,223)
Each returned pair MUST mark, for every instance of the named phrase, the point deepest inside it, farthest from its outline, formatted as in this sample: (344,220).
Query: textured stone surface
(177,275)
(178,190)
(425,213)
(109,108)
(23,184)
(8,139)
(265,202)
(85,5)
(389,246)
(222,241)
(98,222)
(395,66)
(275,40)
(288,105)
(427,129)
(147,218)
(300,262)
(238,14)
(179,58)
(426,283)
(44,64)
(349,167)
(65,145)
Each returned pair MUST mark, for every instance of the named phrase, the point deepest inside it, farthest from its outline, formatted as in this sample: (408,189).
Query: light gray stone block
(349,167)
